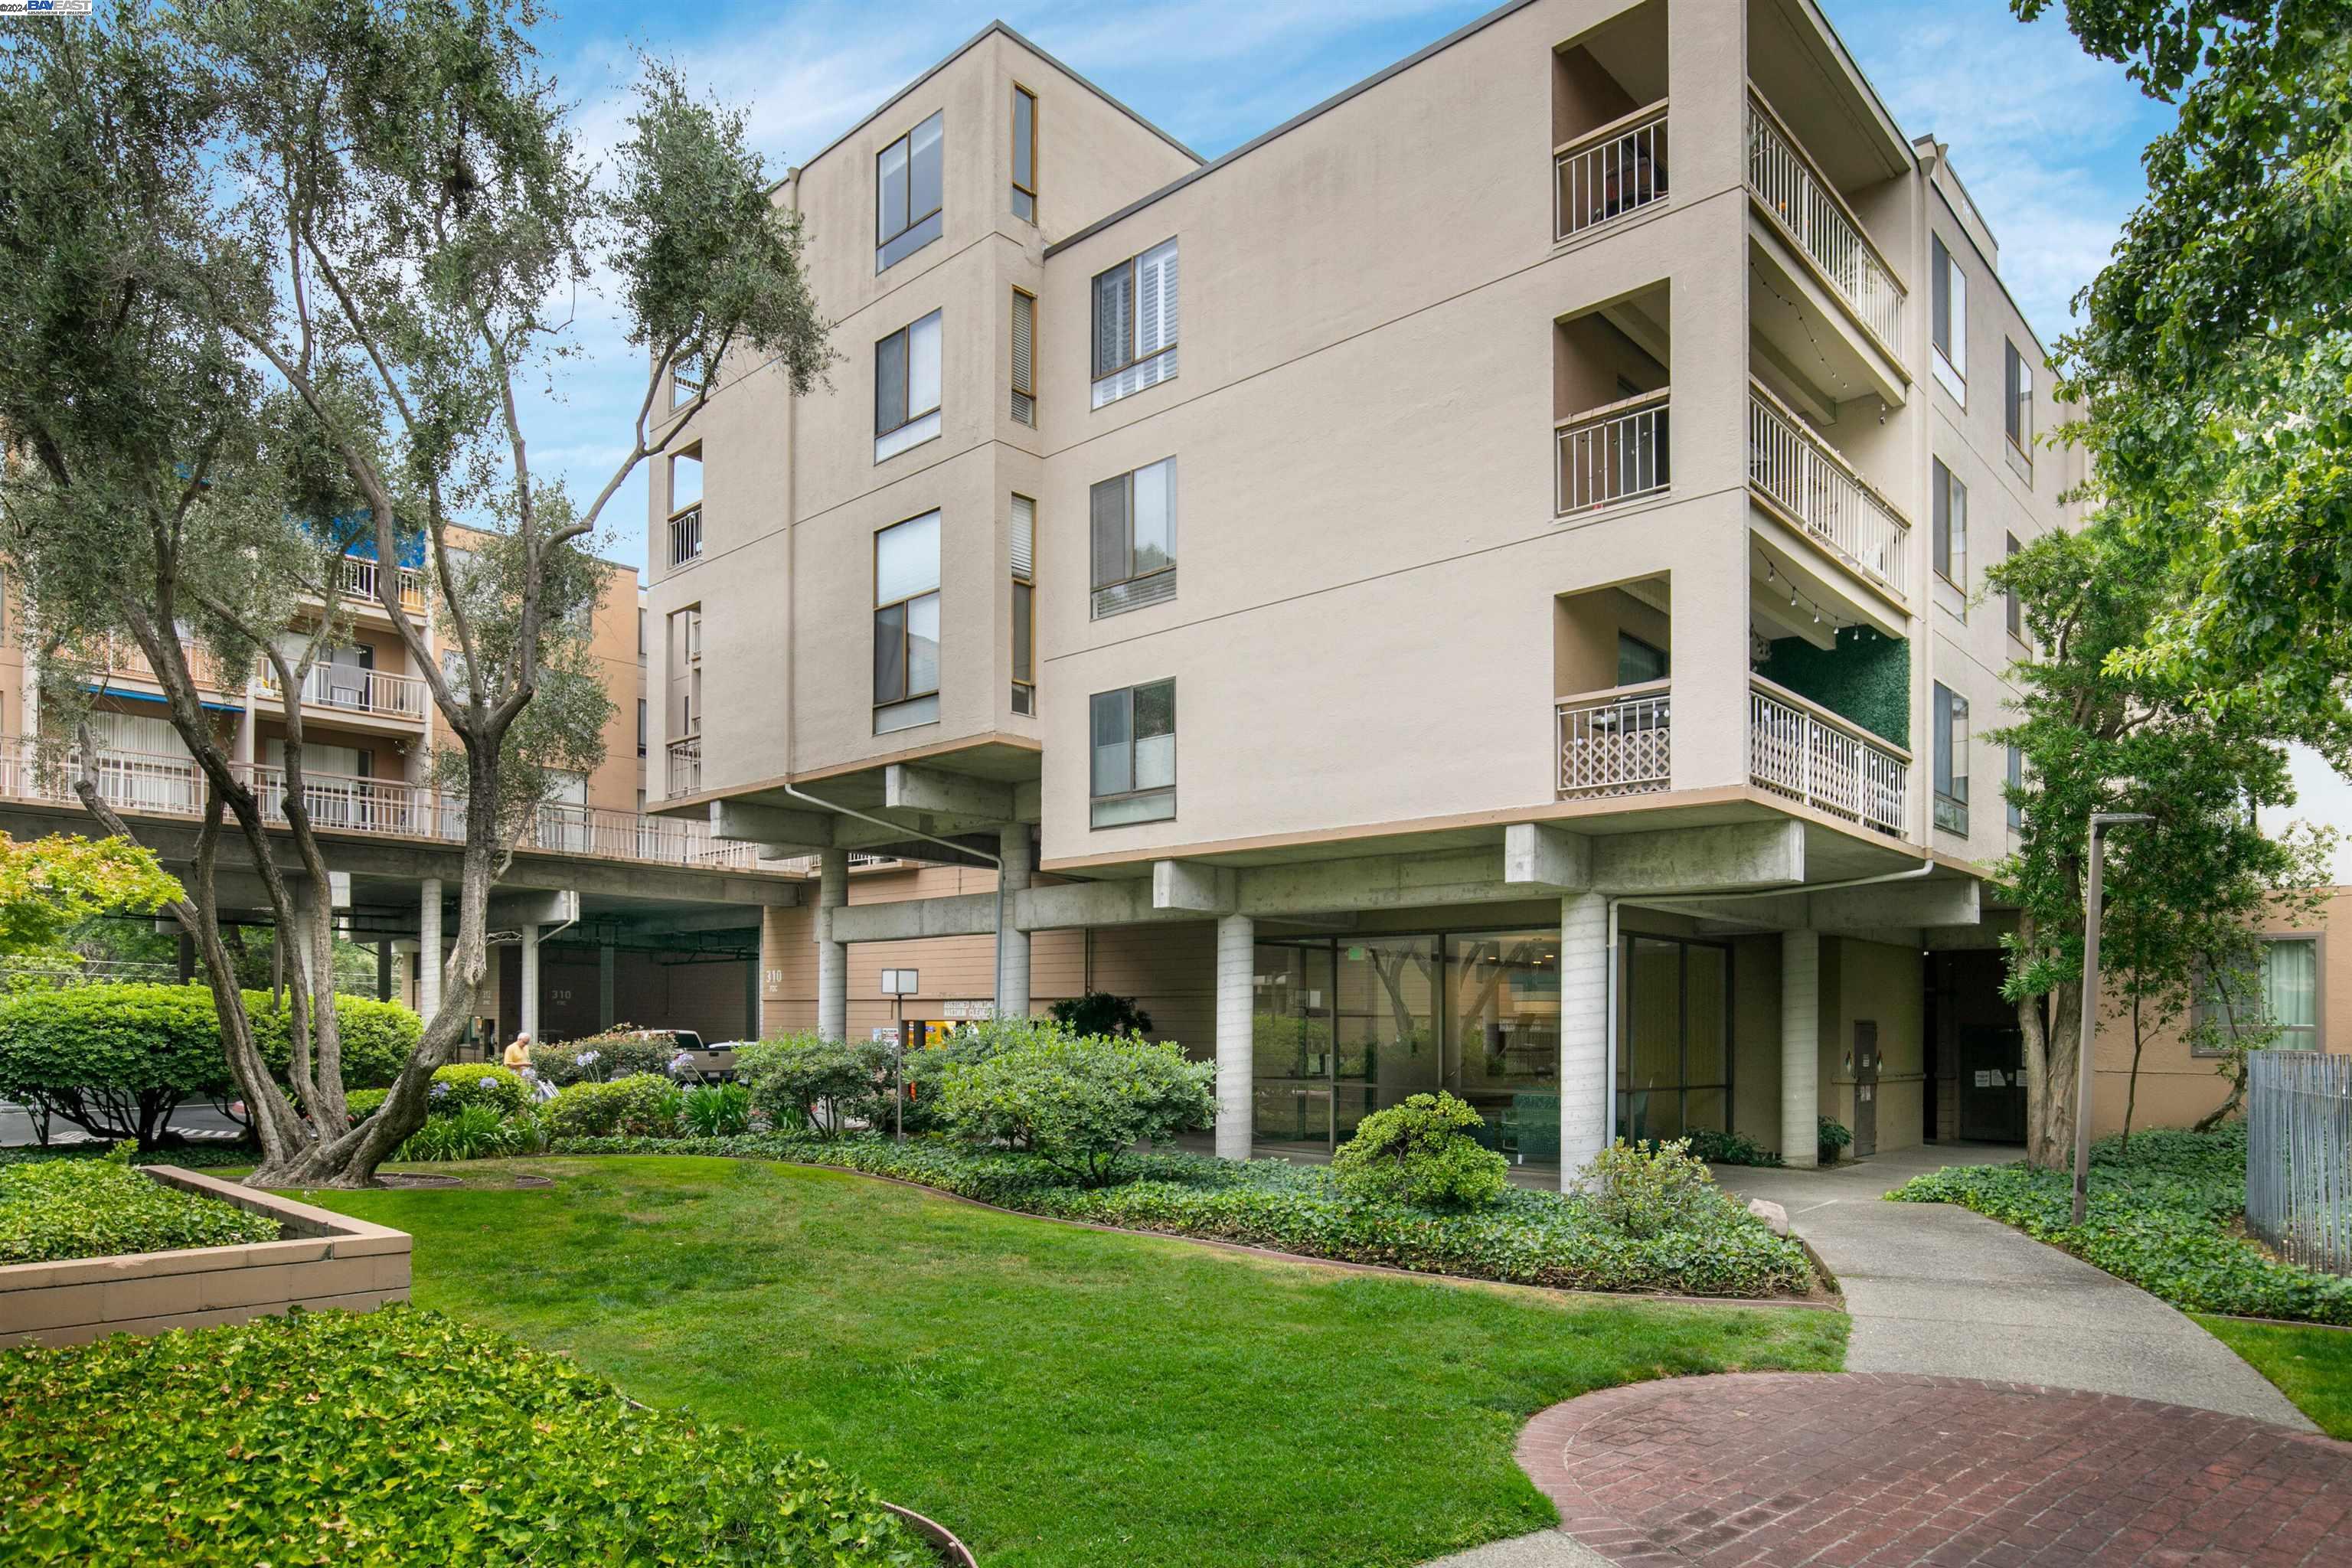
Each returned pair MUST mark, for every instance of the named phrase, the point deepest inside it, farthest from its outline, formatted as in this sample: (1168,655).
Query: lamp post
(899,984)
(2100,822)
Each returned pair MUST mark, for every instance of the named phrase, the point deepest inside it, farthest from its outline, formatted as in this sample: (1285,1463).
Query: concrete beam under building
(1892,907)
(910,788)
(1194,886)
(528,910)
(1540,856)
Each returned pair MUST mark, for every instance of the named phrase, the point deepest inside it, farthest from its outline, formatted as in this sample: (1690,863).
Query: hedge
(57,1209)
(393,1437)
(2159,1214)
(1526,1237)
(117,1060)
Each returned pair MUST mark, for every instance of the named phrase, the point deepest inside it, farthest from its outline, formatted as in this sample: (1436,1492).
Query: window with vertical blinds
(1135,323)
(1133,526)
(1132,773)
(1950,741)
(1949,520)
(907,624)
(1024,358)
(1024,604)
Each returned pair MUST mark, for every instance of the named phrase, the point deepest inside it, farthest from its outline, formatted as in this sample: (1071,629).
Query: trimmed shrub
(1527,1237)
(716,1110)
(377,1037)
(1729,1149)
(645,1105)
(1834,1138)
(475,1132)
(397,1436)
(462,1084)
(1078,1102)
(621,1051)
(1421,1152)
(1644,1189)
(57,1209)
(820,1084)
(363,1103)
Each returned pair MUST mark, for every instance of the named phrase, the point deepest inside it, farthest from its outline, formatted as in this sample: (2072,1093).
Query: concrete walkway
(1939,1291)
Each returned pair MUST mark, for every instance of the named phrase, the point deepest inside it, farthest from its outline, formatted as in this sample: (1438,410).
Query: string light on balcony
(1822,616)
(1827,363)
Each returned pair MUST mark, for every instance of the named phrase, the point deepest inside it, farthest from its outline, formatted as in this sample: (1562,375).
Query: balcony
(1791,192)
(1615,742)
(684,773)
(1615,453)
(1610,172)
(1811,486)
(1802,750)
(123,657)
(686,535)
(349,688)
(361,579)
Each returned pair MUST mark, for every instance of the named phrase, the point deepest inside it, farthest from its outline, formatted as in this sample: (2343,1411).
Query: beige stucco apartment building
(1480,587)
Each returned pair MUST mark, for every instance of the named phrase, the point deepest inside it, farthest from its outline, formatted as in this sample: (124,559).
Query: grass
(2311,1365)
(1058,1395)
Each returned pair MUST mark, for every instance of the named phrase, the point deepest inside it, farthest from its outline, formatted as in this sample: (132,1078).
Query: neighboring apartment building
(1479,588)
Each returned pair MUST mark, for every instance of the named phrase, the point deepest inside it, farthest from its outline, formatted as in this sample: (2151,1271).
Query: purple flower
(440,1091)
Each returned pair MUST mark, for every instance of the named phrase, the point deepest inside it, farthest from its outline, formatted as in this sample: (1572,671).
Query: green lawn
(1058,1395)
(2312,1366)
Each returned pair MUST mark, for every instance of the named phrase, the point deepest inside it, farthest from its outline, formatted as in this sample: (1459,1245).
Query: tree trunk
(2131,1084)
(2053,1028)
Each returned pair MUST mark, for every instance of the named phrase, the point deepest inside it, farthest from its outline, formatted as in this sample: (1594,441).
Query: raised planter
(321,1259)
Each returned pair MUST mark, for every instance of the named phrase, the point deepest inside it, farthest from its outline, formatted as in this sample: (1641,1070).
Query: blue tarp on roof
(359,530)
(156,697)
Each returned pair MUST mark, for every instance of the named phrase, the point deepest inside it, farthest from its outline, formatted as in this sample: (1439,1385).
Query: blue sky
(2046,138)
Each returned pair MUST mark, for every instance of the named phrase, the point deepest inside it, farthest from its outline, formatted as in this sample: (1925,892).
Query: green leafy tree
(285,272)
(2102,733)
(49,885)
(1101,1012)
(2214,358)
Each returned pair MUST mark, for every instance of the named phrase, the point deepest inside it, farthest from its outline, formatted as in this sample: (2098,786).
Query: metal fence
(2299,1155)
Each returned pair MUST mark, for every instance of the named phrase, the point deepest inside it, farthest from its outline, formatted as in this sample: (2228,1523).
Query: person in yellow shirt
(518,1056)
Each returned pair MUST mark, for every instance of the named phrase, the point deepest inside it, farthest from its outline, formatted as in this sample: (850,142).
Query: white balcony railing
(1808,753)
(1618,169)
(360,578)
(1615,453)
(353,689)
(1808,480)
(1619,742)
(685,536)
(1817,219)
(684,772)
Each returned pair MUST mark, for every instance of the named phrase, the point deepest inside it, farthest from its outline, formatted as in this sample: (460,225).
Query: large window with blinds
(908,187)
(1950,741)
(906,387)
(1024,154)
(1135,324)
(1133,767)
(2272,1001)
(1024,604)
(1134,528)
(1024,358)
(907,624)
(1947,544)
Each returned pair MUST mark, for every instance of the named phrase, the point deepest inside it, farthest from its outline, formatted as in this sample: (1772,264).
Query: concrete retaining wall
(322,1260)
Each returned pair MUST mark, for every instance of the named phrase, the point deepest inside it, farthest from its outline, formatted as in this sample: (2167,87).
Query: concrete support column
(607,964)
(527,1004)
(1583,1031)
(384,969)
(1012,977)
(831,957)
(1236,963)
(1800,1046)
(428,949)
(187,957)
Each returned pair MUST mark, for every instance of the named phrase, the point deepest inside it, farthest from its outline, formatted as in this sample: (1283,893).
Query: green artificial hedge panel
(1866,678)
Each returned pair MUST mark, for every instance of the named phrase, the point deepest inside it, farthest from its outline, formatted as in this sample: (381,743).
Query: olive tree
(289,272)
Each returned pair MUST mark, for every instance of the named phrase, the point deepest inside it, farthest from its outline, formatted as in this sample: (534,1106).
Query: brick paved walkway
(1862,1471)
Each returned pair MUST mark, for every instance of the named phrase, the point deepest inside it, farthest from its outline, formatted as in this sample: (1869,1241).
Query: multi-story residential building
(1481,587)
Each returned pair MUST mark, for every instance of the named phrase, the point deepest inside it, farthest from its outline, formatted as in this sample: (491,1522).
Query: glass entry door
(1387,1026)
(1674,1052)
(1290,1029)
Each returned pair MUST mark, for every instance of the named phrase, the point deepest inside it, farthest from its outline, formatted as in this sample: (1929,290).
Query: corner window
(1024,604)
(1133,767)
(1024,154)
(2280,990)
(685,379)
(1951,744)
(685,507)
(682,703)
(641,726)
(2016,784)
(1024,358)
(906,387)
(907,624)
(2016,397)
(1638,663)
(907,193)
(2012,608)
(1949,536)
(1947,319)
(1134,527)
(1135,324)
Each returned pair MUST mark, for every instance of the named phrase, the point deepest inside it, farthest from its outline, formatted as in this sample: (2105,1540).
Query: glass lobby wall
(1674,1052)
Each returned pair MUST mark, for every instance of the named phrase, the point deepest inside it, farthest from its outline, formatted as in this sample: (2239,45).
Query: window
(2013,607)
(2016,397)
(1947,306)
(685,507)
(682,711)
(1024,604)
(1134,762)
(1024,358)
(1673,1038)
(906,387)
(641,726)
(1024,154)
(641,631)
(1951,743)
(907,624)
(685,379)
(1135,324)
(2280,990)
(907,185)
(1948,539)
(1638,663)
(1134,526)
(2016,782)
